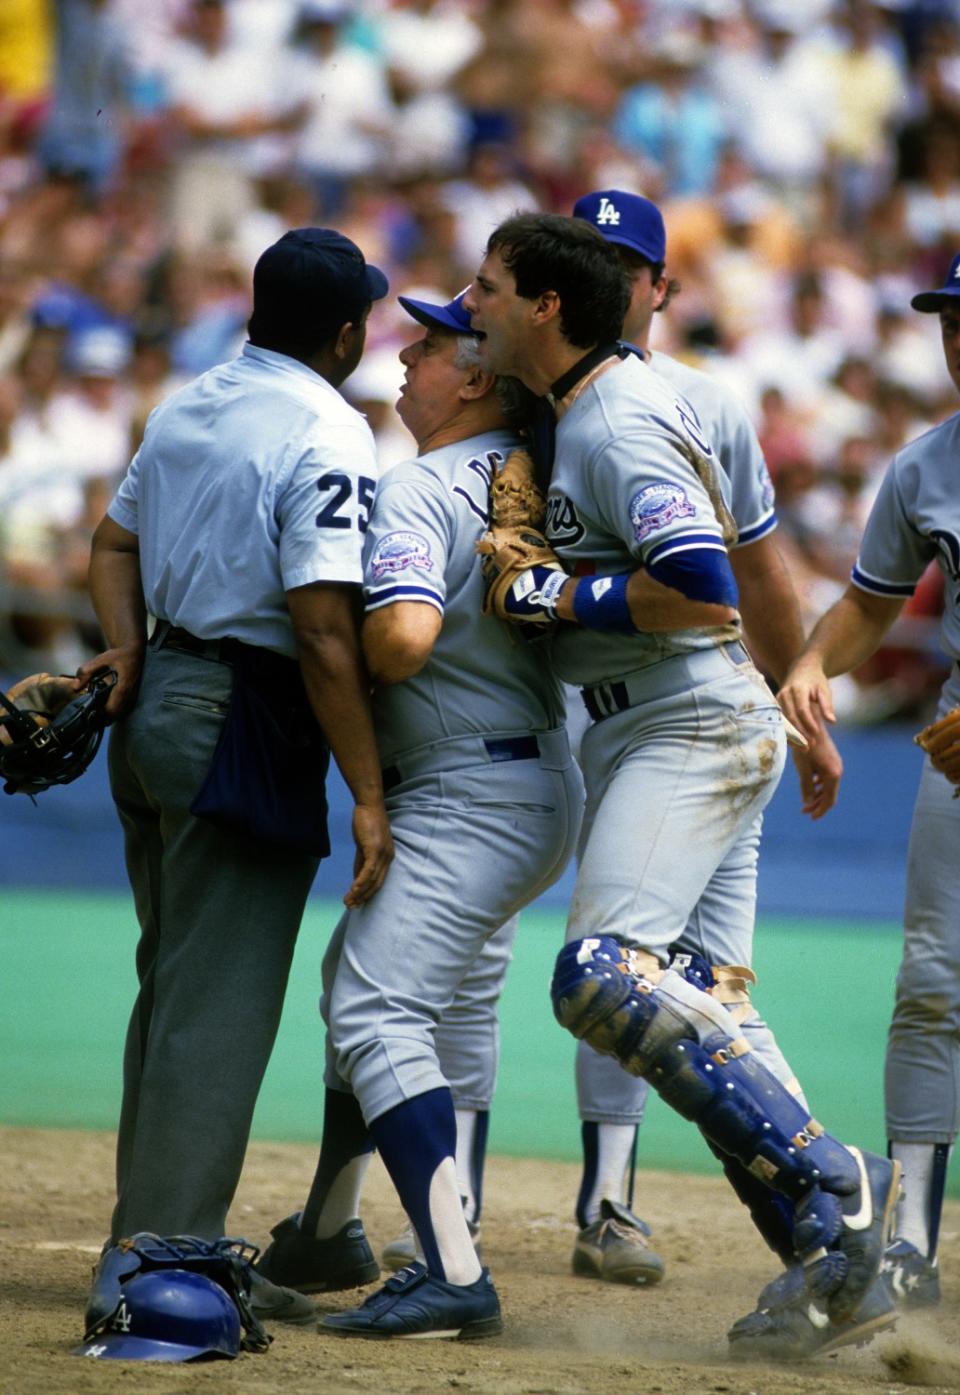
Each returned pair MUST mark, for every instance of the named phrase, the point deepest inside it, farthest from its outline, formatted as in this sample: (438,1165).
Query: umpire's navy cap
(627,219)
(315,272)
(451,316)
(931,301)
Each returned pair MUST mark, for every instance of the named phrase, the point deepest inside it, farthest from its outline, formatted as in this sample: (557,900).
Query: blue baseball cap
(451,316)
(627,219)
(315,272)
(931,301)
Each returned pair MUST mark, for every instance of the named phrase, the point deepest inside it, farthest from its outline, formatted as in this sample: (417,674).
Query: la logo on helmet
(607,213)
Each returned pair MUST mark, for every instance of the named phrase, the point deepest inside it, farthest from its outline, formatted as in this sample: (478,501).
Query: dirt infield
(564,1336)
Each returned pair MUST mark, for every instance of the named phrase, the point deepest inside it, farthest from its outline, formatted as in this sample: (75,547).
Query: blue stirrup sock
(417,1141)
(345,1150)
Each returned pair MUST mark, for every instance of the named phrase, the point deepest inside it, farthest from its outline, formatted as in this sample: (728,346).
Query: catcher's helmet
(51,743)
(168,1315)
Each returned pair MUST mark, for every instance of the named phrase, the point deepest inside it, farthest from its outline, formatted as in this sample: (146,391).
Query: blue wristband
(600,603)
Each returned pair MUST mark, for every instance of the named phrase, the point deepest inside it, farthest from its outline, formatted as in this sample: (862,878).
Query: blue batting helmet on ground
(168,1315)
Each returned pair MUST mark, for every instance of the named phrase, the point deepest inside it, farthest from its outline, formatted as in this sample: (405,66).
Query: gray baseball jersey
(420,547)
(724,421)
(624,492)
(471,744)
(915,519)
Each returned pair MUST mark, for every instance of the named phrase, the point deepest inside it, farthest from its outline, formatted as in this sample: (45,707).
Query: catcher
(914,521)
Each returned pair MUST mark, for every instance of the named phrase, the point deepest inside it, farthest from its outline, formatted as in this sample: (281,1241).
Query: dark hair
(548,252)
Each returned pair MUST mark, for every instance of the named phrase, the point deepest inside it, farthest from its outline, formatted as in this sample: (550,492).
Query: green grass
(69,982)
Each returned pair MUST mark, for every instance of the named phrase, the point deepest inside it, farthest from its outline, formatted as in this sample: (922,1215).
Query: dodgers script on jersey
(480,678)
(623,492)
(915,520)
(725,423)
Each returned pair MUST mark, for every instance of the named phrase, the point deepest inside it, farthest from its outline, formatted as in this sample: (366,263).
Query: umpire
(238,528)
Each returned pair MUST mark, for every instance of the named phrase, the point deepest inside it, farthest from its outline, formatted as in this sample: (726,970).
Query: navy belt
(497,748)
(666,679)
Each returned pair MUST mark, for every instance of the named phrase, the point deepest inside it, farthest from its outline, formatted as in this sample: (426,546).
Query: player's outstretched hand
(805,697)
(819,769)
(374,843)
(126,662)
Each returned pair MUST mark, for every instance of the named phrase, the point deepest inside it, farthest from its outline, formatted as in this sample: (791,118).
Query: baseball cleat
(405,1249)
(867,1217)
(616,1248)
(911,1280)
(272,1302)
(300,1261)
(412,1303)
(789,1325)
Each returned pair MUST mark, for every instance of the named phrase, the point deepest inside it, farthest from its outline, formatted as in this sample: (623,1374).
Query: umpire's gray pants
(219,918)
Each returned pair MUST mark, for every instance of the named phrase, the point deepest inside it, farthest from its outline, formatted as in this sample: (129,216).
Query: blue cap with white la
(630,220)
(451,316)
(932,301)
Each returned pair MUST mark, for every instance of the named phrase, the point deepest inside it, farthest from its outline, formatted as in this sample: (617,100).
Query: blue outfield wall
(849,865)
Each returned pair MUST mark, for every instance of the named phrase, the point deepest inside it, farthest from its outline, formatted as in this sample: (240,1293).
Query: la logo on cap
(608,213)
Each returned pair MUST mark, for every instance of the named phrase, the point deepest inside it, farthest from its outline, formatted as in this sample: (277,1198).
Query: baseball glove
(227,1262)
(522,572)
(516,500)
(941,741)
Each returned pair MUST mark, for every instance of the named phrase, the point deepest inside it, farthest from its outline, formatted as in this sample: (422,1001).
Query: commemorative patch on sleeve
(397,551)
(656,506)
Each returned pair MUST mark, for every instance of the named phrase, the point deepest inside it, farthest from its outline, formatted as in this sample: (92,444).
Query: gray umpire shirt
(254,479)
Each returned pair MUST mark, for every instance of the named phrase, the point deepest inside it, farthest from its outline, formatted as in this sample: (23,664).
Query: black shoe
(300,1261)
(911,1280)
(789,1325)
(414,1304)
(272,1302)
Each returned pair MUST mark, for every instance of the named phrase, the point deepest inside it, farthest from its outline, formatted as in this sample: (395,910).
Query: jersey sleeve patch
(656,506)
(397,551)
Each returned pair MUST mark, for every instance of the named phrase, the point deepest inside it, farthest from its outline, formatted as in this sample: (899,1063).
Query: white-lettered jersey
(915,519)
(481,677)
(623,493)
(726,424)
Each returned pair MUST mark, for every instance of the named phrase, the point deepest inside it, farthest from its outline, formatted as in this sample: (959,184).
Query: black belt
(498,748)
(166,636)
(224,651)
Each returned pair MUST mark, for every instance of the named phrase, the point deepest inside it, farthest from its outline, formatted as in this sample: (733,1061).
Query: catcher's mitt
(227,1262)
(522,572)
(941,741)
(49,733)
(516,499)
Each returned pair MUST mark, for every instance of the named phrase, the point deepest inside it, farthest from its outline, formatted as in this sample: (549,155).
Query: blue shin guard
(675,1036)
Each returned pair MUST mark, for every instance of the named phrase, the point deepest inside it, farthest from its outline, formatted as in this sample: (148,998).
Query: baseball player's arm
(845,637)
(117,594)
(325,629)
(774,633)
(653,606)
(398,639)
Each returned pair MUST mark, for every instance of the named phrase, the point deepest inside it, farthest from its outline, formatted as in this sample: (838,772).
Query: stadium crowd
(805,153)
